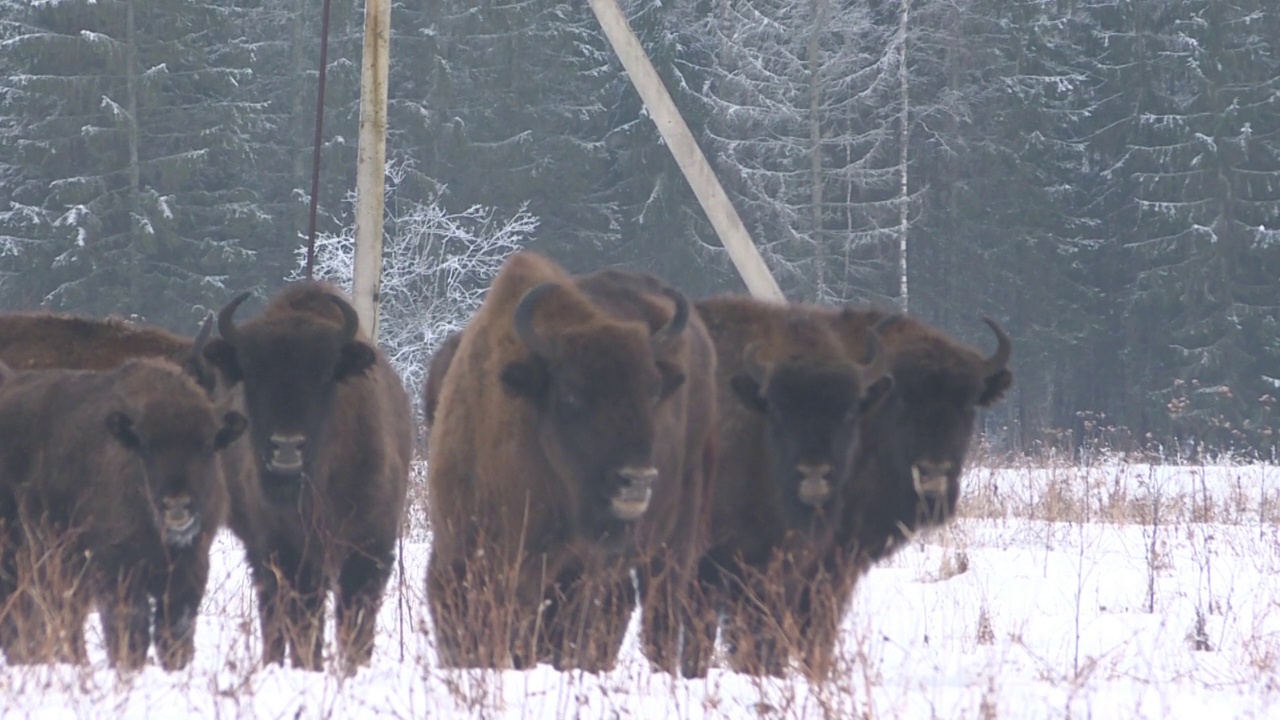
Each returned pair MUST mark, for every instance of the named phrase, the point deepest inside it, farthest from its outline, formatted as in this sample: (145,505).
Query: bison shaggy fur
(41,341)
(111,480)
(434,380)
(791,401)
(319,498)
(573,443)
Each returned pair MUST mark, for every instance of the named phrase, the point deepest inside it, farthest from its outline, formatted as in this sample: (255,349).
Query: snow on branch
(436,267)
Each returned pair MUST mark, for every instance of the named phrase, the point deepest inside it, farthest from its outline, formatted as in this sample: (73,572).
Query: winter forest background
(1101,176)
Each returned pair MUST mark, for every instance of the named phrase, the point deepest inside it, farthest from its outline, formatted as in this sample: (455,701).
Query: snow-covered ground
(1116,591)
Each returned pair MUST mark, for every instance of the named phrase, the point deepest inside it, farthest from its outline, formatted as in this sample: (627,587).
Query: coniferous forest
(1100,176)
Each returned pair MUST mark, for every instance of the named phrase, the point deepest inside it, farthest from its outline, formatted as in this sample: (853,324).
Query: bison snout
(632,499)
(815,483)
(931,479)
(180,520)
(286,453)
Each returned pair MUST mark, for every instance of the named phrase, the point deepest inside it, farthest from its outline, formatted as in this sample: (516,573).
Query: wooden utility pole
(371,164)
(680,141)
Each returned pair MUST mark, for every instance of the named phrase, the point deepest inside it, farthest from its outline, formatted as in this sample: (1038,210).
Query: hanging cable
(319,138)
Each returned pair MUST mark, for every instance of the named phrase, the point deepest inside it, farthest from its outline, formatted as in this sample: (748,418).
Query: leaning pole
(371,164)
(680,141)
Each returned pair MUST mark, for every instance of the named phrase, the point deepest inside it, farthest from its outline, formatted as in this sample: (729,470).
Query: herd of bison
(595,444)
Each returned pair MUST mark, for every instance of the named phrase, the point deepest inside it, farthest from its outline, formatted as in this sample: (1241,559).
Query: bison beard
(570,445)
(140,532)
(318,497)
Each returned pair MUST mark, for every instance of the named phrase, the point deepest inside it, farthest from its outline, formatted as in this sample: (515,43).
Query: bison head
(811,409)
(291,365)
(596,387)
(922,430)
(177,450)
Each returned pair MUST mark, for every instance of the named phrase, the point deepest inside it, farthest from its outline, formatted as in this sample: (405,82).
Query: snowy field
(1116,591)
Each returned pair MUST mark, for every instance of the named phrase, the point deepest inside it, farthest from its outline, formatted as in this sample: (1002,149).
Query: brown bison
(573,445)
(791,403)
(434,380)
(111,493)
(319,502)
(41,341)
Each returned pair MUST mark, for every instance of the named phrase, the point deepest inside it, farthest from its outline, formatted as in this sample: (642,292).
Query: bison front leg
(678,623)
(125,610)
(291,609)
(590,622)
(177,602)
(304,613)
(752,625)
(266,584)
(361,583)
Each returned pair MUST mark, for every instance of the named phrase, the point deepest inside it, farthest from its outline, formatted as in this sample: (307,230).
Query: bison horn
(1004,348)
(757,369)
(202,337)
(350,319)
(665,335)
(226,323)
(887,322)
(523,319)
(876,362)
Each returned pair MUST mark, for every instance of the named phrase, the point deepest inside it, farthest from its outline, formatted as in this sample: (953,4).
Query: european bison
(41,341)
(791,402)
(110,492)
(573,444)
(320,501)
(434,380)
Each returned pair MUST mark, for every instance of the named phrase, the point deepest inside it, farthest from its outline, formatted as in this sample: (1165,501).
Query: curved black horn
(887,322)
(875,362)
(350,319)
(202,337)
(665,335)
(523,319)
(226,323)
(751,359)
(1004,348)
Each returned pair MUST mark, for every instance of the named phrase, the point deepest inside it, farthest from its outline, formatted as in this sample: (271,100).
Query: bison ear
(526,378)
(354,359)
(233,426)
(120,425)
(996,384)
(747,389)
(876,391)
(672,378)
(222,355)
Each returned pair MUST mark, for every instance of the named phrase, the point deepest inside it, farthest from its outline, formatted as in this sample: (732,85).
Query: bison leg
(267,586)
(752,626)
(124,608)
(590,623)
(476,620)
(361,583)
(304,612)
(446,600)
(678,623)
(177,602)
(291,608)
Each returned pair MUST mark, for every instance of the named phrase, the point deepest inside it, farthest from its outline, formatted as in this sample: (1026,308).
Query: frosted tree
(122,132)
(799,106)
(436,267)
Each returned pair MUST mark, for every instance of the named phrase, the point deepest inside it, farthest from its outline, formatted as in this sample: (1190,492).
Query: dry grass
(1060,588)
